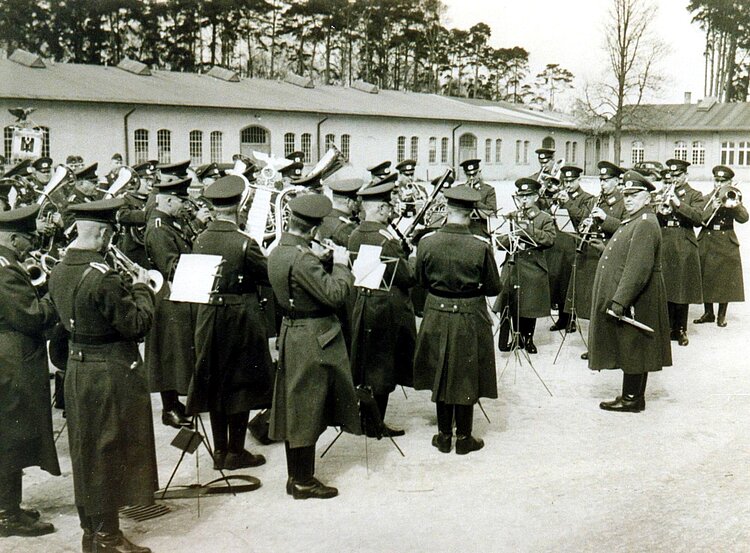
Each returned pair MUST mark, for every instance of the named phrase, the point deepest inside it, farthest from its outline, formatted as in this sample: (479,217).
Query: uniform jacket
(313,387)
(233,365)
(338,226)
(132,218)
(487,204)
(630,273)
(110,426)
(383,324)
(25,412)
(455,354)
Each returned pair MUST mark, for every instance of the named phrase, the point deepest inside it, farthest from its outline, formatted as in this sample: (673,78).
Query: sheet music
(257,217)
(195,277)
(368,269)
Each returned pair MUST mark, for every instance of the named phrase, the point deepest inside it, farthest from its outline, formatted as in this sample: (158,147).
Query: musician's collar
(369,226)
(77,256)
(531,212)
(456,228)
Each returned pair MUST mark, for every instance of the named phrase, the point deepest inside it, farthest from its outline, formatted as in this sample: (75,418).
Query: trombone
(728,196)
(124,264)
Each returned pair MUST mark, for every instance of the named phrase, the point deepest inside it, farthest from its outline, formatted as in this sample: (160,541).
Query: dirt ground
(557,474)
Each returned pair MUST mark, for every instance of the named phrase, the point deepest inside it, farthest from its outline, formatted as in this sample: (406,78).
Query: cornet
(124,264)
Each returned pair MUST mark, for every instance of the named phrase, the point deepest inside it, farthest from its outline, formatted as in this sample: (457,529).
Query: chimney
(688,98)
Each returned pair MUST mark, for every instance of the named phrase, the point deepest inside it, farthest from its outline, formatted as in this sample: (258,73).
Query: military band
(630,264)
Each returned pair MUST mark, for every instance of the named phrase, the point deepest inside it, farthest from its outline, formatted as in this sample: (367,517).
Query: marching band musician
(379,170)
(383,323)
(170,352)
(84,191)
(110,426)
(25,191)
(115,163)
(678,213)
(233,364)
(487,204)
(721,263)
(313,387)
(525,293)
(132,220)
(25,415)
(41,172)
(340,223)
(454,355)
(629,283)
(546,158)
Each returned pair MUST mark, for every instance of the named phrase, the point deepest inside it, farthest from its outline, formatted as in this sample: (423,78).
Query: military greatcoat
(528,267)
(630,273)
(110,425)
(313,387)
(338,226)
(132,217)
(681,259)
(719,249)
(25,412)
(383,324)
(487,205)
(233,365)
(455,353)
(170,352)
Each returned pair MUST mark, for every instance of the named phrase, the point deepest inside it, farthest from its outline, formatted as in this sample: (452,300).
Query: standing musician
(313,386)
(379,170)
(546,157)
(170,352)
(132,220)
(487,204)
(407,192)
(233,364)
(679,211)
(629,282)
(84,191)
(384,330)
(339,224)
(25,414)
(110,426)
(721,263)
(114,167)
(41,172)
(454,356)
(525,293)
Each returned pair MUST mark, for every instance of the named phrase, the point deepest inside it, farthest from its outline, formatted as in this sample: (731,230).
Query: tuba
(125,176)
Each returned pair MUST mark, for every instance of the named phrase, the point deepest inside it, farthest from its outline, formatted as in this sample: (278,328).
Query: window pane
(216,153)
(488,151)
(526,145)
(345,146)
(253,135)
(307,147)
(164,145)
(573,152)
(444,150)
(289,143)
(196,148)
(401,149)
(45,141)
(548,142)
(518,152)
(414,153)
(330,141)
(498,150)
(141,145)
(432,155)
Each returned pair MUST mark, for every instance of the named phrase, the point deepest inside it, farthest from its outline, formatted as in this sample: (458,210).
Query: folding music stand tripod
(584,243)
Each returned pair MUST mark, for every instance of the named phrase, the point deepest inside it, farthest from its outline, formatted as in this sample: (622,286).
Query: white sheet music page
(368,269)
(194,277)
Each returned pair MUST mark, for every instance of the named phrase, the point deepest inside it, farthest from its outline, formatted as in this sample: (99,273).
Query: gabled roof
(106,84)
(707,115)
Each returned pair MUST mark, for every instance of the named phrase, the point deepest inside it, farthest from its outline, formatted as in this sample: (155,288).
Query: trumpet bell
(155,280)
(36,271)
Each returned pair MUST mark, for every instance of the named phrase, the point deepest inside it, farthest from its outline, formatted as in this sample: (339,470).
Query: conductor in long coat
(454,355)
(25,412)
(629,283)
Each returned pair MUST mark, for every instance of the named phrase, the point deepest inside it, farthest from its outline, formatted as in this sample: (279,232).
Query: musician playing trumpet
(721,264)
(487,203)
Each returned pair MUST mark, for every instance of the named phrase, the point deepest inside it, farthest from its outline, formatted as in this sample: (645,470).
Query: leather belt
(228,299)
(455,295)
(87,340)
(310,314)
(370,292)
(673,223)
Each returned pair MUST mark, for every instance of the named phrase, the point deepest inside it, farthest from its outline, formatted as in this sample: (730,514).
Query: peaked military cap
(43,164)
(406,167)
(382,168)
(116,157)
(88,173)
(208,171)
(101,211)
(20,169)
(70,160)
(311,207)
(174,187)
(297,157)
(380,191)
(178,169)
(570,172)
(462,196)
(526,186)
(470,166)
(145,169)
(346,187)
(677,166)
(635,182)
(293,170)
(544,153)
(608,170)
(22,219)
(225,191)
(722,172)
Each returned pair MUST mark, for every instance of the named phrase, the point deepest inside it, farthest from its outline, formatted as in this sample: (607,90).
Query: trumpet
(663,200)
(39,265)
(124,264)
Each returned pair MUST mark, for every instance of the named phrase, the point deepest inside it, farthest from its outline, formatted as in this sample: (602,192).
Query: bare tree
(633,52)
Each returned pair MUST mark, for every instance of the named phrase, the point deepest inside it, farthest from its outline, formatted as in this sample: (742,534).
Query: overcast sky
(569,33)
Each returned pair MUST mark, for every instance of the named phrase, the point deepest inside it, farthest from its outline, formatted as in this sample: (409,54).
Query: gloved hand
(618,309)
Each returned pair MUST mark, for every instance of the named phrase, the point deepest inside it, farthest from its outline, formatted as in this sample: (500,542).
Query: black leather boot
(116,543)
(708,315)
(243,459)
(721,319)
(682,337)
(17,523)
(631,400)
(467,444)
(442,442)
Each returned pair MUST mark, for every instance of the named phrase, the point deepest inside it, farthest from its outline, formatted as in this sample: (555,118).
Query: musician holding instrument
(341,222)
(721,263)
(170,352)
(487,204)
(41,172)
(525,293)
(454,356)
(25,415)
(84,191)
(678,212)
(233,364)
(110,425)
(313,387)
(383,323)
(629,283)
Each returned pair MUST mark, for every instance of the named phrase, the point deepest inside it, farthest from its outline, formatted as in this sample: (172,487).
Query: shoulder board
(245,234)
(157,222)
(176,225)
(101,267)
(483,239)
(71,197)
(644,216)
(386,234)
(428,234)
(4,262)
(611,200)
(344,220)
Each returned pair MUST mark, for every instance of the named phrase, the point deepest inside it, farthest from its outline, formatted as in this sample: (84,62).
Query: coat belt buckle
(717,227)
(77,355)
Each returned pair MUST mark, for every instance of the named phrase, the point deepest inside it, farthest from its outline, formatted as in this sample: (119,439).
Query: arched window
(401,149)
(548,142)
(680,150)
(498,150)
(699,153)
(164,145)
(636,152)
(216,147)
(196,148)
(488,150)
(519,145)
(567,151)
(346,142)
(432,153)
(140,139)
(526,147)
(307,147)
(573,151)
(444,150)
(414,154)
(254,139)
(330,141)
(467,147)
(289,143)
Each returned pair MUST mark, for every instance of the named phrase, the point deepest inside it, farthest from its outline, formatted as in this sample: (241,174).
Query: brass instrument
(662,200)
(728,196)
(39,265)
(554,173)
(408,234)
(124,264)
(125,177)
